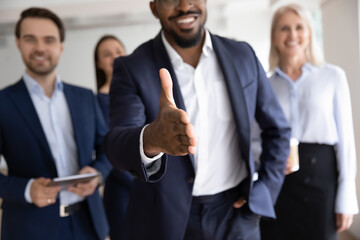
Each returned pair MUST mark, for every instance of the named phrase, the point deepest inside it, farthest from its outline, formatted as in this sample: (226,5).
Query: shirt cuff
(346,200)
(27,191)
(146,160)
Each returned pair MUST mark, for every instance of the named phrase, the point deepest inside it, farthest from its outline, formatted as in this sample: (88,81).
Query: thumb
(43,181)
(166,87)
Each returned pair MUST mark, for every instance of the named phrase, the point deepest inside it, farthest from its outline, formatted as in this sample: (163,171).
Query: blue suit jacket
(27,153)
(159,205)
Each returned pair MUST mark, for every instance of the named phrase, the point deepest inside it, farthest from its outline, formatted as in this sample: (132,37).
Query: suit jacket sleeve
(128,115)
(275,134)
(11,188)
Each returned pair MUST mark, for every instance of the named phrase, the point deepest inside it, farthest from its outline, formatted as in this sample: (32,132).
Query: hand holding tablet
(72,180)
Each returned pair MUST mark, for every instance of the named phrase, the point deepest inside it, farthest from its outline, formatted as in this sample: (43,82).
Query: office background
(337,25)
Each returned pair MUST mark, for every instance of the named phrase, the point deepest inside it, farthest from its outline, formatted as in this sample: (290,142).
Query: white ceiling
(78,14)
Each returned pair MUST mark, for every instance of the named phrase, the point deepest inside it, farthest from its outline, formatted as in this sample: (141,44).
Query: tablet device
(64,182)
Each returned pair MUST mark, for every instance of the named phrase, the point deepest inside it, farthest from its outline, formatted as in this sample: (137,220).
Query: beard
(187,42)
(40,70)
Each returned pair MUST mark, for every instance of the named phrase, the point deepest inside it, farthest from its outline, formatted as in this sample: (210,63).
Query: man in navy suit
(49,129)
(186,136)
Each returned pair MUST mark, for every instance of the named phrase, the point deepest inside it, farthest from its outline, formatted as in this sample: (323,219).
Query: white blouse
(318,109)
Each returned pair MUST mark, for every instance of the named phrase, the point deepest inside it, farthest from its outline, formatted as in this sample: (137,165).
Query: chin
(190,40)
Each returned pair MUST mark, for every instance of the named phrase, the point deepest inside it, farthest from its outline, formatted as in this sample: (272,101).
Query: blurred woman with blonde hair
(319,199)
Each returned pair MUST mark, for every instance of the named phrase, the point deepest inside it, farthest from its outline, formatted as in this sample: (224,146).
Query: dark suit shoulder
(9,89)
(143,53)
(234,45)
(143,48)
(78,90)
(3,97)
(12,86)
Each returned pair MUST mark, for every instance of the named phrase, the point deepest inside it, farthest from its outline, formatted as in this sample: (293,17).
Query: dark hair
(35,12)
(100,74)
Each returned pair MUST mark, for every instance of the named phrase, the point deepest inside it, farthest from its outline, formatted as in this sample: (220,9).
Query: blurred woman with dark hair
(118,183)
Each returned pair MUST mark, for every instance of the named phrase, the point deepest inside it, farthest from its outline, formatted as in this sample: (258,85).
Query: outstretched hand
(171,132)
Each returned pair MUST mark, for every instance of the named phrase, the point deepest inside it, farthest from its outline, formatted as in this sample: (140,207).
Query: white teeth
(39,58)
(292,43)
(186,20)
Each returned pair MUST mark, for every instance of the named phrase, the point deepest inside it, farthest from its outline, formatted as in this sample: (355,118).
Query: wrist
(149,149)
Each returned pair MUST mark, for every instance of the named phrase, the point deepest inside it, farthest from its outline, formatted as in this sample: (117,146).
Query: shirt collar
(35,87)
(176,59)
(306,68)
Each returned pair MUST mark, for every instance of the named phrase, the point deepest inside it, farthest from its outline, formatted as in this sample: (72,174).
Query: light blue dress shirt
(55,119)
(318,108)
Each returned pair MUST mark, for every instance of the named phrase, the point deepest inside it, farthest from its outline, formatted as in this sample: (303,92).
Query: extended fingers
(190,132)
(186,134)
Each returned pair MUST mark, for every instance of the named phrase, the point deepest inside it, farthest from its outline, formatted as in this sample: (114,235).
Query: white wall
(247,20)
(241,20)
(341,43)
(76,64)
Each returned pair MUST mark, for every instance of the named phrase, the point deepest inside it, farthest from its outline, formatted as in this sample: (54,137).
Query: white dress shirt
(55,119)
(218,164)
(318,108)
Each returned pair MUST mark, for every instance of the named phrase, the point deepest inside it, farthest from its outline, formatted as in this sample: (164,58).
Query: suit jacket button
(313,160)
(307,180)
(190,180)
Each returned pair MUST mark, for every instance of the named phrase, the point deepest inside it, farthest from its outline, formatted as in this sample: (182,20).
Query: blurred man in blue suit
(186,137)
(49,129)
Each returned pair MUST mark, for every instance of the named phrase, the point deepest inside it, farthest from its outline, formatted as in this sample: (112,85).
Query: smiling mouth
(186,20)
(185,23)
(39,58)
(292,44)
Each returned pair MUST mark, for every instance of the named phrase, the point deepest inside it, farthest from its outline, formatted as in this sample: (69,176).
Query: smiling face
(40,46)
(107,51)
(183,24)
(291,36)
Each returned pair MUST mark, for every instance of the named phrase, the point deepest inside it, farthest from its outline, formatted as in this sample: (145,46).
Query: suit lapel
(232,76)
(162,60)
(23,103)
(74,107)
